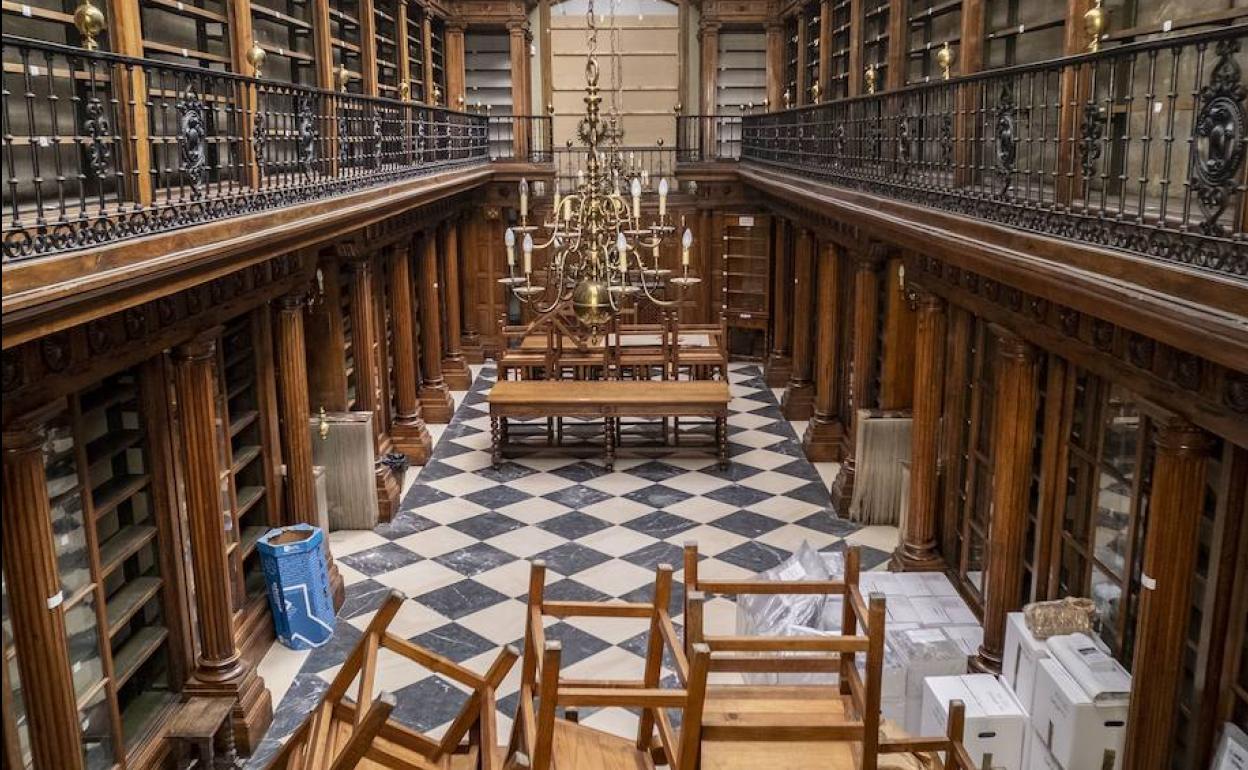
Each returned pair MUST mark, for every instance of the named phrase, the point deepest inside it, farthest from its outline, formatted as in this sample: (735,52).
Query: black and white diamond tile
(460,550)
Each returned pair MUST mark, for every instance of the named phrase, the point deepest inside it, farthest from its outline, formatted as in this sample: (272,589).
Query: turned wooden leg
(496,454)
(721,431)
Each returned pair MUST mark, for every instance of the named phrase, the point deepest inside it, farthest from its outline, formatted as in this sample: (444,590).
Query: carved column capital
(202,348)
(1179,438)
(1010,346)
(292,301)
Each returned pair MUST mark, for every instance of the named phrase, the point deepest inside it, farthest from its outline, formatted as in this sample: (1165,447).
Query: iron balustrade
(100,147)
(524,138)
(1139,148)
(706,138)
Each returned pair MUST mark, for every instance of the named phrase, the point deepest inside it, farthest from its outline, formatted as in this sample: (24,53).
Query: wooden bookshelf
(811,45)
(930,24)
(284,29)
(742,77)
(745,280)
(388,40)
(791,44)
(487,81)
(346,41)
(839,31)
(414,18)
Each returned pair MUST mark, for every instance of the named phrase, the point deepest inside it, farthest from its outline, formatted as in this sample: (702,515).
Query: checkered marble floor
(461,546)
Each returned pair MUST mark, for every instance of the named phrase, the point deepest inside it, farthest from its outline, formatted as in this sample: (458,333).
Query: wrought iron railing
(100,147)
(521,137)
(1139,148)
(656,161)
(706,138)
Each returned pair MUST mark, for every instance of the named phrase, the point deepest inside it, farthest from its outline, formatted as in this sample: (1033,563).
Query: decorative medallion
(1102,335)
(1187,370)
(1140,351)
(1221,135)
(55,352)
(1235,393)
(1069,319)
(166,310)
(99,336)
(192,140)
(134,320)
(11,371)
(194,302)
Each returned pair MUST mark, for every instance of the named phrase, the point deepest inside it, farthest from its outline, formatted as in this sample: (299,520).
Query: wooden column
(803,88)
(548,57)
(220,670)
(455,63)
(825,49)
(435,397)
(971,46)
(519,86)
(367,396)
(1015,396)
(472,246)
(775,66)
(454,365)
(779,364)
(292,375)
(822,440)
(898,44)
(35,602)
(917,549)
(427,31)
(854,81)
(1170,550)
(708,34)
(862,363)
(798,400)
(897,357)
(409,433)
(368,47)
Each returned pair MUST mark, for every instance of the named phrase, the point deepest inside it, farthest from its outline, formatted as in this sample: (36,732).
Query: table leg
(609,437)
(721,433)
(496,450)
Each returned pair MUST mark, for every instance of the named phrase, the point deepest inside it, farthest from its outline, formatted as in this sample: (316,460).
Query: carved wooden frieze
(1207,393)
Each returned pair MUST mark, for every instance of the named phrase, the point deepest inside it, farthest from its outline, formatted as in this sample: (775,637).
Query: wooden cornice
(1179,306)
(48,295)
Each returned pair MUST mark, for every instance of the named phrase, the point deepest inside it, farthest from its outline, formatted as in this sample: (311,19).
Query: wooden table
(610,400)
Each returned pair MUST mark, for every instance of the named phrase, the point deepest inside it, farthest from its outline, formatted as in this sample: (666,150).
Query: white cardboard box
(1079,732)
(1022,652)
(1038,757)
(1232,749)
(996,723)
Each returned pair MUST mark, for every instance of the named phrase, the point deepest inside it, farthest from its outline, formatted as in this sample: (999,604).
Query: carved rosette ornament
(192,140)
(1221,137)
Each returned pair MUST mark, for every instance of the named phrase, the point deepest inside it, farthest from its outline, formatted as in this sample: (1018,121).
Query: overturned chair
(343,733)
(542,740)
(805,726)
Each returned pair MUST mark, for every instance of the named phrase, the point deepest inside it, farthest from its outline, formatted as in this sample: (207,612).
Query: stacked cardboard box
(996,723)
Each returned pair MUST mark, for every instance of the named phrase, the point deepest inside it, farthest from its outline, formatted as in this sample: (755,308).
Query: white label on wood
(1148,582)
(26,11)
(746,316)
(745,221)
(34,71)
(55,600)
(1167,25)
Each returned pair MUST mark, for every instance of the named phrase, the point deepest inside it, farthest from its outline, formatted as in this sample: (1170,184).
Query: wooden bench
(608,400)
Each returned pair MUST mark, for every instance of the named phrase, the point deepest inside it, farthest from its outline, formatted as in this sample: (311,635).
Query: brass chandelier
(598,249)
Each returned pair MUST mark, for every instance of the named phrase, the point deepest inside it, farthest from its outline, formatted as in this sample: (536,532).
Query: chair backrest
(341,731)
(819,654)
(542,690)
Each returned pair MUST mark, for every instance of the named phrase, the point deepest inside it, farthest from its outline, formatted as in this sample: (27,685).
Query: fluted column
(822,440)
(519,85)
(296,410)
(863,362)
(1015,395)
(454,366)
(367,396)
(409,432)
(798,400)
(708,34)
(193,364)
(220,670)
(36,606)
(778,362)
(435,397)
(1170,551)
(917,549)
(775,65)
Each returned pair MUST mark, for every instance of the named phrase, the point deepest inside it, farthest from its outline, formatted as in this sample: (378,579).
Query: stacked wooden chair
(343,733)
(543,740)
(807,726)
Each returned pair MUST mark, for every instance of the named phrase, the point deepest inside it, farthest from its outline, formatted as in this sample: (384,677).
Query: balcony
(1139,150)
(101,148)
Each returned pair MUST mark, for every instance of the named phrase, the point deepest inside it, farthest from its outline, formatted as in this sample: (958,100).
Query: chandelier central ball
(589,300)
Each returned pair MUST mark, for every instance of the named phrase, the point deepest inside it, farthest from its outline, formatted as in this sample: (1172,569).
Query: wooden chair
(800,727)
(542,741)
(342,734)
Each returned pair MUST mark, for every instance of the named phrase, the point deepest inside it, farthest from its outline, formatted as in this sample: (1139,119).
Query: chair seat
(762,710)
(577,747)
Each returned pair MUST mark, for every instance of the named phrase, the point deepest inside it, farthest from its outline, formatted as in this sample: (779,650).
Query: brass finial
(322,426)
(945,58)
(437,94)
(256,57)
(678,108)
(1094,23)
(459,100)
(814,92)
(342,76)
(788,98)
(550,108)
(405,90)
(870,77)
(90,23)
